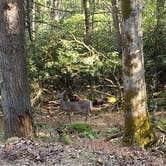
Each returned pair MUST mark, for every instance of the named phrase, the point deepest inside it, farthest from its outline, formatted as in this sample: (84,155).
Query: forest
(82,82)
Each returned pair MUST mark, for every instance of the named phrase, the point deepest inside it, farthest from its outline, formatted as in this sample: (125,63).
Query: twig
(102,92)
(114,136)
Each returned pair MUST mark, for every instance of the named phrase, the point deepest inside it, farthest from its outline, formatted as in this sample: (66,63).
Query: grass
(83,129)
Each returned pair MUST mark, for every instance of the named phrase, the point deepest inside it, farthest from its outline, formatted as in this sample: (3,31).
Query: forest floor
(106,150)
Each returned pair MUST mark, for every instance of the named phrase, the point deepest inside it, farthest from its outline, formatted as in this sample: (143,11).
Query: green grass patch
(65,138)
(110,132)
(44,127)
(79,127)
(83,130)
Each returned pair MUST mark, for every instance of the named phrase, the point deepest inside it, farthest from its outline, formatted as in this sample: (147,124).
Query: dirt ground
(46,150)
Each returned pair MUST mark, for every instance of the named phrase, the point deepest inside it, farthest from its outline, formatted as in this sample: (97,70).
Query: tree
(16,105)
(138,129)
(55,9)
(85,4)
(159,44)
(92,5)
(117,23)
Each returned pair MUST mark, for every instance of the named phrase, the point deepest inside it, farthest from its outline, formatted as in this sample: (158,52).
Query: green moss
(128,97)
(126,8)
(141,132)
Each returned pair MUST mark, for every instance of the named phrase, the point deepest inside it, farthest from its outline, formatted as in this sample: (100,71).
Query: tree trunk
(117,23)
(85,4)
(35,18)
(17,110)
(138,130)
(54,11)
(28,11)
(92,13)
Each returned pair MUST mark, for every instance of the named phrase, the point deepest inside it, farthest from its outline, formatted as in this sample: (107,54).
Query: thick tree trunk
(17,111)
(138,129)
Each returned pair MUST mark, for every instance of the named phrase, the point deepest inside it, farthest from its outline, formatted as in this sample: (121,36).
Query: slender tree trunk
(54,11)
(138,129)
(28,11)
(17,111)
(85,4)
(117,23)
(160,25)
(35,18)
(92,12)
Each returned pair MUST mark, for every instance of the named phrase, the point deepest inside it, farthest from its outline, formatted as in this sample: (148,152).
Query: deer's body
(79,107)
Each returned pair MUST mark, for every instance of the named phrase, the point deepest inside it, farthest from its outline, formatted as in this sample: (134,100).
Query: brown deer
(83,107)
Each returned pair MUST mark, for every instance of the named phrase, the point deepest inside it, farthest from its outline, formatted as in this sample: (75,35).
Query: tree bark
(17,110)
(92,13)
(54,11)
(28,11)
(35,17)
(85,4)
(117,23)
(138,130)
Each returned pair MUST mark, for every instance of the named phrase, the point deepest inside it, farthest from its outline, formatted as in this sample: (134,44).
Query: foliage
(65,138)
(44,137)
(108,133)
(83,130)
(44,127)
(154,46)
(45,132)
(149,19)
(74,25)
(69,60)
(79,127)
(61,56)
(160,125)
(112,99)
(1,134)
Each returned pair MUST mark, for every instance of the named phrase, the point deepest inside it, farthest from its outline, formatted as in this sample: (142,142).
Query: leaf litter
(23,152)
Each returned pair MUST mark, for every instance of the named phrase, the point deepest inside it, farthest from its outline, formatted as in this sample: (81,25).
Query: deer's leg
(86,117)
(69,116)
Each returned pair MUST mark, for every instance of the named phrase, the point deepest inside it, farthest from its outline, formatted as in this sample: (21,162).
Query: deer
(82,107)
